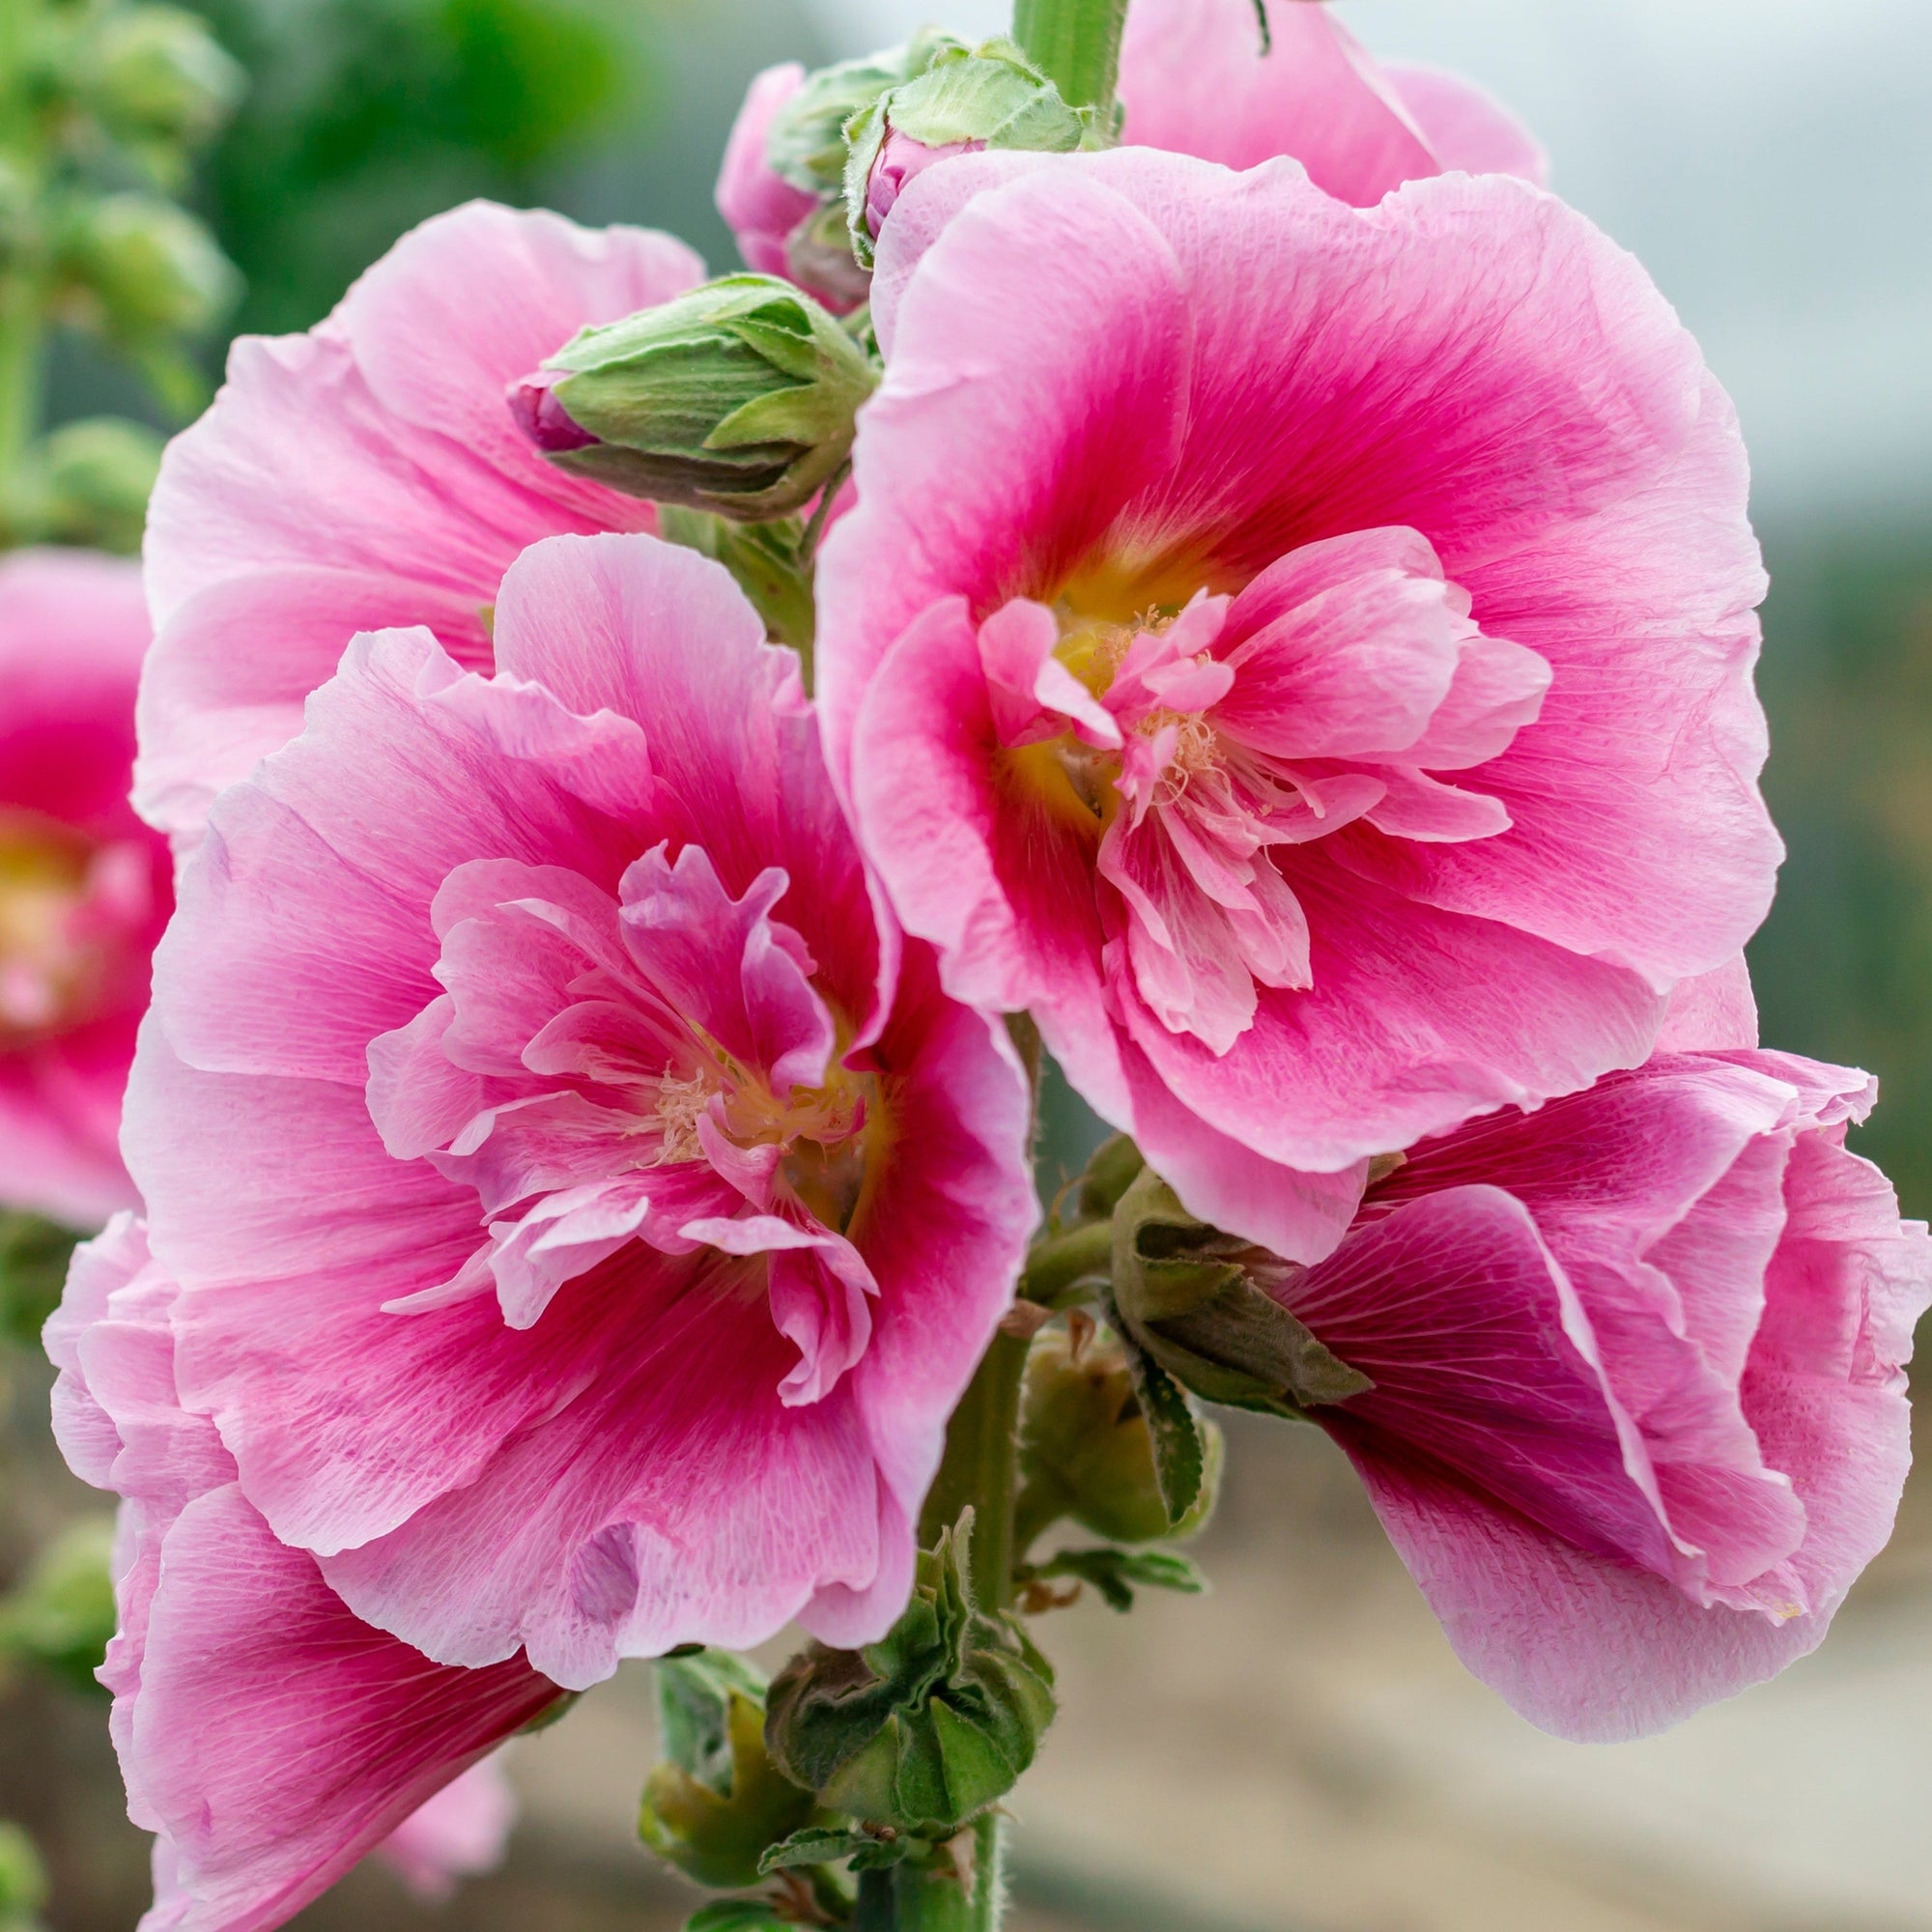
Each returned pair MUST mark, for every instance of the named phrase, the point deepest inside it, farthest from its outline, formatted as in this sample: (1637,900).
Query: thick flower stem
(981,1470)
(1058,1264)
(1076,44)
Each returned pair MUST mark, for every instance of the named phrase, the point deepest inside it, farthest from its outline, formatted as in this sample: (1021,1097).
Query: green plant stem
(1063,1261)
(989,1872)
(981,1470)
(1076,44)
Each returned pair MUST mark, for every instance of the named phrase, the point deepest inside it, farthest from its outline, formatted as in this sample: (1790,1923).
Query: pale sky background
(1771,161)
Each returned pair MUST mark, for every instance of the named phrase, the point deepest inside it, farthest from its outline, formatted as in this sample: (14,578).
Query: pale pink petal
(461,1832)
(760,206)
(1465,128)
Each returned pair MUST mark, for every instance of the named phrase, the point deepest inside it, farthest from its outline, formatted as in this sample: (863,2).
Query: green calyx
(1190,1302)
(1087,1453)
(740,398)
(717,1802)
(991,95)
(921,1732)
(806,142)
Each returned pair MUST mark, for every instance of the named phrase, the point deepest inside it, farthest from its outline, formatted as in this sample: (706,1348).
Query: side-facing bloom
(1197,79)
(366,474)
(584,1221)
(267,1737)
(1303,655)
(1638,1418)
(84,884)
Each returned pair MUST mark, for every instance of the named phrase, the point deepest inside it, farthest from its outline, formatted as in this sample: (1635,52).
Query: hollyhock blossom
(1302,655)
(458,1834)
(84,884)
(369,473)
(1195,80)
(1638,1416)
(267,1737)
(584,1226)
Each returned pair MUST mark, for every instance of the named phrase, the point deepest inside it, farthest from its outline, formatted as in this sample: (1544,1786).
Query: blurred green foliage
(1844,965)
(60,1616)
(367,116)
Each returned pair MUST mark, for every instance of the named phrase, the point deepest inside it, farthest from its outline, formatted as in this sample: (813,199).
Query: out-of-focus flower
(461,1832)
(760,206)
(584,1227)
(1638,1418)
(1197,79)
(267,1737)
(369,473)
(1303,656)
(84,884)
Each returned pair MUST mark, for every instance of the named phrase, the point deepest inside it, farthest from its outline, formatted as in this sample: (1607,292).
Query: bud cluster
(105,109)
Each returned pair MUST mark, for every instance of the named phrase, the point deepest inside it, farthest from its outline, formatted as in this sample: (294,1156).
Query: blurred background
(1300,1753)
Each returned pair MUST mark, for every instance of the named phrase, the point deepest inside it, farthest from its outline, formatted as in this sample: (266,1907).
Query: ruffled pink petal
(1716,1010)
(1195,80)
(1465,128)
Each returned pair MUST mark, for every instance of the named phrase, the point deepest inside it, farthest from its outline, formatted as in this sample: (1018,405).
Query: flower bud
(924,1730)
(1086,1451)
(1198,1303)
(806,143)
(99,475)
(157,74)
(740,398)
(718,1801)
(148,270)
(965,98)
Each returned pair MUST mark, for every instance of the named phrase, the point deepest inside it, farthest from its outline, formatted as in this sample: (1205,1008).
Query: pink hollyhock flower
(267,1737)
(458,1834)
(585,1225)
(84,886)
(370,474)
(1195,80)
(1302,655)
(761,208)
(1638,1417)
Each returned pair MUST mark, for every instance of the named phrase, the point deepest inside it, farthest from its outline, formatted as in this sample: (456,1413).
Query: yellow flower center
(45,975)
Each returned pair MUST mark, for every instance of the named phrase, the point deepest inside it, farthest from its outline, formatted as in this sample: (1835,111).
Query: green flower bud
(62,1614)
(99,475)
(147,271)
(806,142)
(740,398)
(924,1730)
(1086,1452)
(157,74)
(1197,1302)
(965,98)
(717,1802)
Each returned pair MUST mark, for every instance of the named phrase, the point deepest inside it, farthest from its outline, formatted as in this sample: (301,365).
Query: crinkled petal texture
(267,1737)
(1196,78)
(85,887)
(1295,651)
(1640,1416)
(367,474)
(585,1224)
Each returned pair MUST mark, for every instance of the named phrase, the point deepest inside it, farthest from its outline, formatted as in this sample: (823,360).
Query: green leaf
(826,1845)
(1115,1574)
(1174,1428)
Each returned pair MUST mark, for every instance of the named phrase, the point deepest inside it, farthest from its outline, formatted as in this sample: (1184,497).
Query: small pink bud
(900,161)
(541,417)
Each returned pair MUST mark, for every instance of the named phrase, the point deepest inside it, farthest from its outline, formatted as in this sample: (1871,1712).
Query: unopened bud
(924,1730)
(1086,1452)
(99,475)
(965,98)
(806,143)
(147,270)
(741,398)
(157,72)
(1210,1309)
(716,1801)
